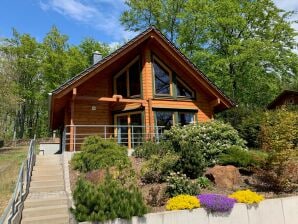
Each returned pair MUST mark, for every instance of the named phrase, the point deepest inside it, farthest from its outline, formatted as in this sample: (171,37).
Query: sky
(78,19)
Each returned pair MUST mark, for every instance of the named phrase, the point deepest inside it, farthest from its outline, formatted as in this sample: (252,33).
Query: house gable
(148,46)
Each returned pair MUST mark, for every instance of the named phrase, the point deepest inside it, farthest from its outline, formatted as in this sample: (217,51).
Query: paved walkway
(47,200)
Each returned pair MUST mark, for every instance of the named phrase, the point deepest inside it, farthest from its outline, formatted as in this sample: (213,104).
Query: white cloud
(103,15)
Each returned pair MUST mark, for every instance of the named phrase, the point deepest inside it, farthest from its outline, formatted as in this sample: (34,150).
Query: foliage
(99,153)
(156,196)
(250,60)
(183,201)
(32,69)
(106,201)
(216,202)
(157,168)
(241,158)
(247,197)
(178,183)
(149,148)
(204,182)
(200,145)
(279,138)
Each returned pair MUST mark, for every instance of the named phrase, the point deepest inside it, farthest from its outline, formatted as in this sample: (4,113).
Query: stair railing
(13,211)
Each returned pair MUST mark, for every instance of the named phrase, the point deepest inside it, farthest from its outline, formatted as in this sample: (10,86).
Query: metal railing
(14,207)
(128,135)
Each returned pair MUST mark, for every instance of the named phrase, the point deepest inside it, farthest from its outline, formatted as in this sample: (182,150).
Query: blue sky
(76,18)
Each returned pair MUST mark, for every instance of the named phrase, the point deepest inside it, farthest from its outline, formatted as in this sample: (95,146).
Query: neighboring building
(286,98)
(145,86)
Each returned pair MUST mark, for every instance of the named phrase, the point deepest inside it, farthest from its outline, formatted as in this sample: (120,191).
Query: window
(127,82)
(161,80)
(134,79)
(183,90)
(185,118)
(164,118)
(121,84)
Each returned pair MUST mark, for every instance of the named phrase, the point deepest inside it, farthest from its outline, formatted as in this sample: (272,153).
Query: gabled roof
(282,95)
(144,35)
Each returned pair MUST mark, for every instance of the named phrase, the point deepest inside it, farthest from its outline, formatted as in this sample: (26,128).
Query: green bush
(152,148)
(98,153)
(204,182)
(178,183)
(106,201)
(241,158)
(157,168)
(200,145)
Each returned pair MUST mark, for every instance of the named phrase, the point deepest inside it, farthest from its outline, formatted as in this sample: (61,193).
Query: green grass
(10,162)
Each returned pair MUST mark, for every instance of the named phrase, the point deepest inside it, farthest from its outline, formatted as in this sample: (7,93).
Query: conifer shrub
(149,148)
(157,168)
(106,201)
(98,153)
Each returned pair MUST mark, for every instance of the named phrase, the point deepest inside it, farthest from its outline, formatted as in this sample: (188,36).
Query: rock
(224,176)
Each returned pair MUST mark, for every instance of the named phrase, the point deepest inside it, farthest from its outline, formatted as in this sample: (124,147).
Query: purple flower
(216,202)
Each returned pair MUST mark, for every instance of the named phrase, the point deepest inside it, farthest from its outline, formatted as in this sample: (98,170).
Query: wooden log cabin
(131,95)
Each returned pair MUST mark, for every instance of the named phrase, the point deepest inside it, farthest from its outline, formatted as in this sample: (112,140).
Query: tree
(245,47)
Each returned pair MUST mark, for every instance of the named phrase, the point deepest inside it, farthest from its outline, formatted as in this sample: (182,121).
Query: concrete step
(41,162)
(48,156)
(48,219)
(45,210)
(47,172)
(47,168)
(45,183)
(59,187)
(33,203)
(56,177)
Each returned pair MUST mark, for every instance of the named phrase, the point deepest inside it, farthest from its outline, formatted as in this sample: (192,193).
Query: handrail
(22,187)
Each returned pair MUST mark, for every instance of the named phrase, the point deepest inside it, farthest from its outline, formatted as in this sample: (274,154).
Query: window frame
(167,69)
(126,70)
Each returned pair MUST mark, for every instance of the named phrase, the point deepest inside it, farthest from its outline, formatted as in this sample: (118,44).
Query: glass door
(129,129)
(122,130)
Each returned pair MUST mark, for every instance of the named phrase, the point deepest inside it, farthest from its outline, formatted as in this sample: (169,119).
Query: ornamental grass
(247,197)
(216,202)
(182,201)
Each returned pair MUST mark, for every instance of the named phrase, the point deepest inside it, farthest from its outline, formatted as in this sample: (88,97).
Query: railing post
(105,132)
(74,138)
(132,136)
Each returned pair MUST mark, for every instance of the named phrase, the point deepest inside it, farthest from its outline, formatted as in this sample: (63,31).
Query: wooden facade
(93,97)
(285,98)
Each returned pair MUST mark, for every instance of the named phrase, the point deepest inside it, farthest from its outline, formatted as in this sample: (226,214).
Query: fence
(13,211)
(128,135)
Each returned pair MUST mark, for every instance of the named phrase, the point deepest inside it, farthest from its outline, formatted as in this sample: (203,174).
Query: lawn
(10,161)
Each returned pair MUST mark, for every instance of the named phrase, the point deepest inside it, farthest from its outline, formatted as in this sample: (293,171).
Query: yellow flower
(247,196)
(183,201)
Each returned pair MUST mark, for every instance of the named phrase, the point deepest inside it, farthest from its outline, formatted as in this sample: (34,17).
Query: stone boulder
(224,176)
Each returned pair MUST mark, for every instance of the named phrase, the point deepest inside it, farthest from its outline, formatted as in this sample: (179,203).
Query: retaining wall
(270,211)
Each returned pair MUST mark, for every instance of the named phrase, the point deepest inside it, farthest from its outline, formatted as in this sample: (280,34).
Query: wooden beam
(215,102)
(111,99)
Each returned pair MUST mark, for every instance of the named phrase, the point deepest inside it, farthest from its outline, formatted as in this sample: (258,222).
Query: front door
(129,129)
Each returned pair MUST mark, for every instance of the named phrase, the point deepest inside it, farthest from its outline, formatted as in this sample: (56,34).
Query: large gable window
(162,78)
(127,82)
(183,90)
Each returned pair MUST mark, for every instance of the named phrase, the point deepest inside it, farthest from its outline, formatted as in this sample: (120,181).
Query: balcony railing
(127,135)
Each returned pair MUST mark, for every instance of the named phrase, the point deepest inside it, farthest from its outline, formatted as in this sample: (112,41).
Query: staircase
(47,201)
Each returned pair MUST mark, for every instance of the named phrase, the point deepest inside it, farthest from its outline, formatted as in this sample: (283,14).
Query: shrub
(216,202)
(152,148)
(200,145)
(106,201)
(204,182)
(183,201)
(157,168)
(247,197)
(279,138)
(179,184)
(98,153)
(241,158)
